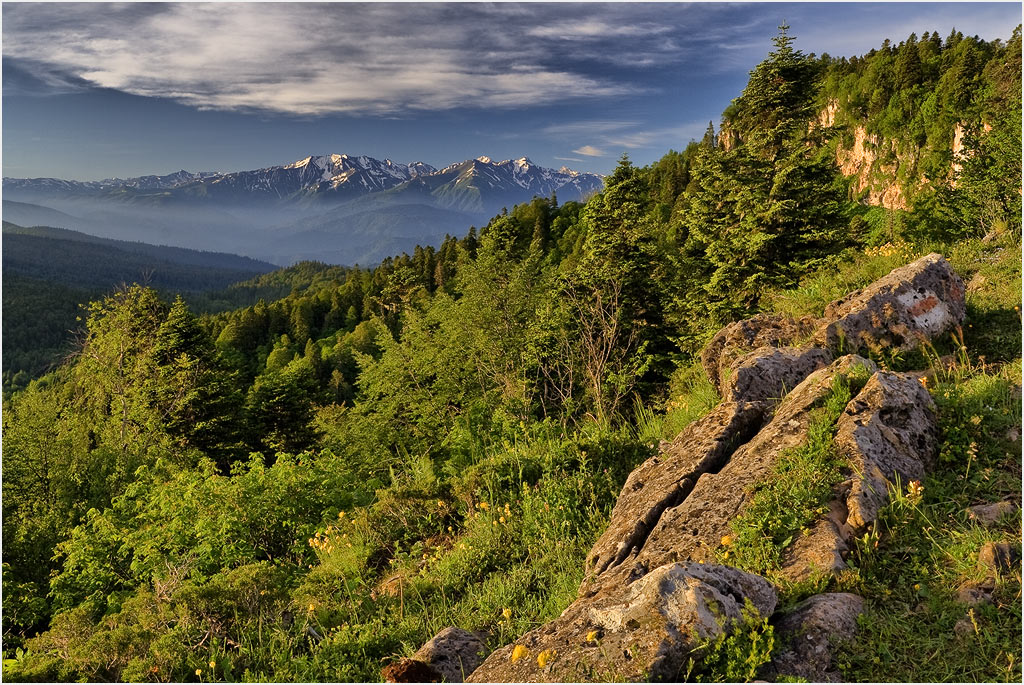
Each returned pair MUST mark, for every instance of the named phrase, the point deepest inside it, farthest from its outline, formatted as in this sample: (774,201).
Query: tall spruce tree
(767,207)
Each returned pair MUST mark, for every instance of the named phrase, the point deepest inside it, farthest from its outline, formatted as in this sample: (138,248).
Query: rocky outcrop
(810,634)
(644,630)
(694,528)
(768,373)
(663,481)
(742,337)
(913,304)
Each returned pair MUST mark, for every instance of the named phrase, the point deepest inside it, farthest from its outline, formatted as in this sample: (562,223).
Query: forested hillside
(49,272)
(310,487)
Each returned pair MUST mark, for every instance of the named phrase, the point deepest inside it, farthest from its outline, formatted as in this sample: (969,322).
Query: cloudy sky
(94,90)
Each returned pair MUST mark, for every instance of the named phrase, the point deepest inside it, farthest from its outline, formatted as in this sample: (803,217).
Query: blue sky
(93,91)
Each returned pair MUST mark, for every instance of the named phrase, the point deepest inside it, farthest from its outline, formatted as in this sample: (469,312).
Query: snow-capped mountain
(333,207)
(329,177)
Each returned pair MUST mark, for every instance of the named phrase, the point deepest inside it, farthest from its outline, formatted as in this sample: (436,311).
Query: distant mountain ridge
(335,207)
(331,176)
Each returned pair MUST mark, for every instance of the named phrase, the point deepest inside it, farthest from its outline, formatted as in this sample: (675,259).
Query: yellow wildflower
(199,671)
(924,381)
(506,613)
(484,505)
(440,503)
(592,636)
(545,657)
(518,652)
(975,419)
(341,514)
(915,489)
(726,540)
(501,519)
(312,607)
(213,664)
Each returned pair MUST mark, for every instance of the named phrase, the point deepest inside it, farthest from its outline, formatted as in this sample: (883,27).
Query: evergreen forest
(306,474)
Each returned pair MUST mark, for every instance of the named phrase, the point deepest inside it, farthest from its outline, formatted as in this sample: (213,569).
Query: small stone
(1000,557)
(987,514)
(964,627)
(454,653)
(409,671)
(974,594)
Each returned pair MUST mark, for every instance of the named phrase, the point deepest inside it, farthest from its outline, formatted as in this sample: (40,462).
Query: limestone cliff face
(866,162)
(877,167)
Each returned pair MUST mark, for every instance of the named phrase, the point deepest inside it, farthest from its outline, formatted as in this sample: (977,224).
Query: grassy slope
(911,566)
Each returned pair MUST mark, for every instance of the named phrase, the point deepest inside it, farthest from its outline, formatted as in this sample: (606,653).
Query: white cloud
(311,59)
(589,29)
(589,151)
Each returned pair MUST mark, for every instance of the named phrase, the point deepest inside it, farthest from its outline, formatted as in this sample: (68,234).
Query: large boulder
(666,479)
(644,630)
(810,633)
(913,304)
(768,373)
(741,337)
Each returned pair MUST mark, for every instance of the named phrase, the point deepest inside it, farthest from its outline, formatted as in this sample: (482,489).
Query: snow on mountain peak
(484,158)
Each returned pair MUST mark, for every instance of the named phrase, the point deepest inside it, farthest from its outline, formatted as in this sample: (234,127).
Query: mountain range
(333,208)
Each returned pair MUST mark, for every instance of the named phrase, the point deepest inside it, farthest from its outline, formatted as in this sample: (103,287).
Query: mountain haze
(334,207)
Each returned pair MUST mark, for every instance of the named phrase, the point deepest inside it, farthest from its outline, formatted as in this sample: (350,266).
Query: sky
(95,90)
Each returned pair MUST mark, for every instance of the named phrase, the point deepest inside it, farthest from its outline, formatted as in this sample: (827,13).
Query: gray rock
(642,630)
(454,653)
(913,303)
(889,434)
(811,632)
(987,514)
(736,339)
(1000,557)
(768,373)
(665,480)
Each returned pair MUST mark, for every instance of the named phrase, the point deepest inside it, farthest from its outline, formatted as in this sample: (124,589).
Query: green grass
(924,549)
